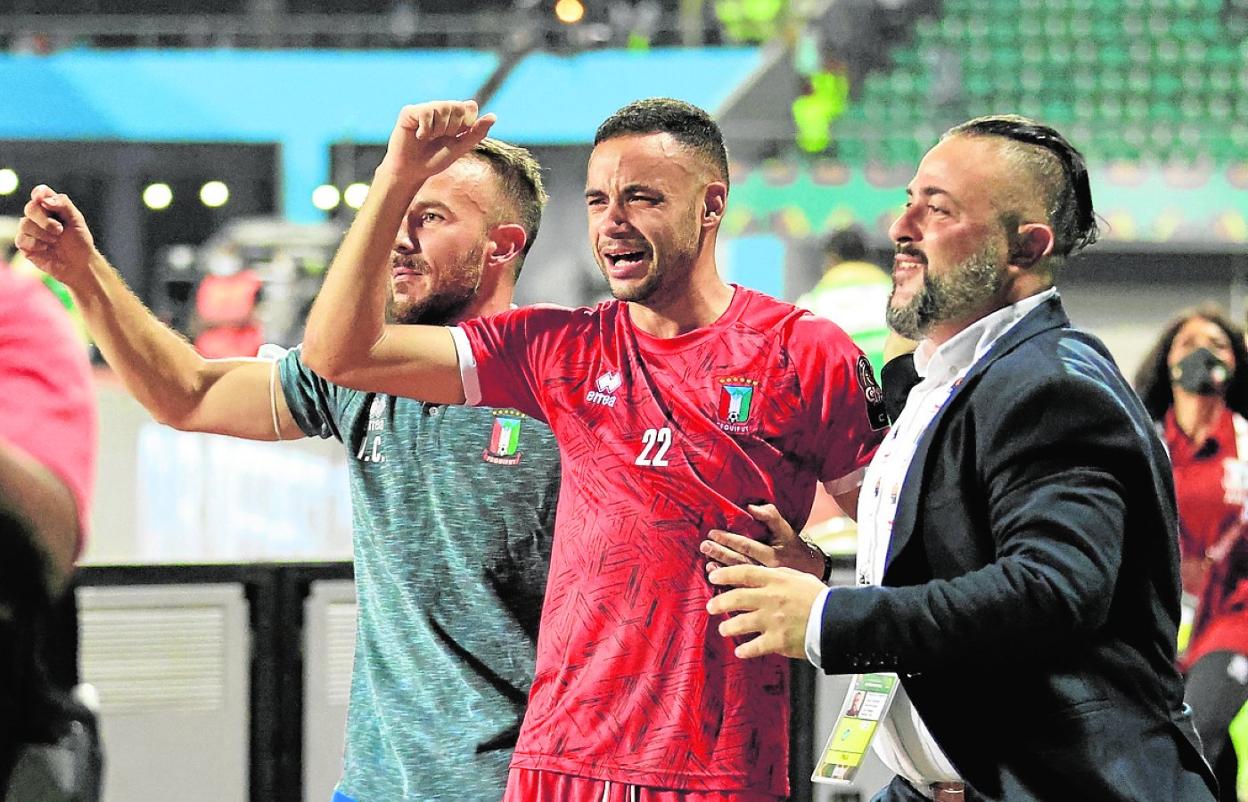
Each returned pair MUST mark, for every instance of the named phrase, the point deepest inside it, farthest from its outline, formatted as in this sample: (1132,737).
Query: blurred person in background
(49,748)
(853,292)
(1194,383)
(453,507)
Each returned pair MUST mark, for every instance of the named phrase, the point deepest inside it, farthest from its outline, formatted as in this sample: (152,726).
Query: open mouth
(908,260)
(624,261)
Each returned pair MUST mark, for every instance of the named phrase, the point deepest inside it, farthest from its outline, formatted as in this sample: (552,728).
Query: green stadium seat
(1220,110)
(1195,52)
(1057,112)
(1109,110)
(1086,53)
(1161,80)
(1166,85)
(1114,56)
(1137,109)
(1167,52)
(1006,59)
(1163,110)
(1113,82)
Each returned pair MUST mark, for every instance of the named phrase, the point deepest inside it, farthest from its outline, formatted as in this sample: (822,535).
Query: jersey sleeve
(314,403)
(503,357)
(848,415)
(47,398)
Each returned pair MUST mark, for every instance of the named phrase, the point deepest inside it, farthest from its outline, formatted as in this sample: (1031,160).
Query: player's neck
(497,299)
(698,304)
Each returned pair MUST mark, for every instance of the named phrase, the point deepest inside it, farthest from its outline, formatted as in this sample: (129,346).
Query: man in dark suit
(1018,562)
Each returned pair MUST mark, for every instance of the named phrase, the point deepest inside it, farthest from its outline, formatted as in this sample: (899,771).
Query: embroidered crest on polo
(738,401)
(377,414)
(504,447)
(604,389)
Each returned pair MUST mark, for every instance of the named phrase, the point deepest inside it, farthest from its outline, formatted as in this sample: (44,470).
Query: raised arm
(347,340)
(180,388)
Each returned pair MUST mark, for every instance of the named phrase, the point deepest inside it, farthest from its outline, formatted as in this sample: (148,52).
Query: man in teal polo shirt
(453,507)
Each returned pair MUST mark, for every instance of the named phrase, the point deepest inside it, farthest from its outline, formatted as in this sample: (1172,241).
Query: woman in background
(1194,383)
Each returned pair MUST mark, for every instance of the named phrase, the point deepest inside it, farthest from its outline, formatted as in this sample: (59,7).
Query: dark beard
(946,298)
(441,308)
(915,318)
(436,310)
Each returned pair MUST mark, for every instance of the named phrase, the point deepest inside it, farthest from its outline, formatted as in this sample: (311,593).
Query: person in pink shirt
(47,421)
(47,467)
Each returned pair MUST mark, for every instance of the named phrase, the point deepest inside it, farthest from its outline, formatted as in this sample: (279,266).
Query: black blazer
(1031,594)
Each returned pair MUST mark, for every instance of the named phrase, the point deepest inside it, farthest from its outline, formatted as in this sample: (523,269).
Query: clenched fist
(429,137)
(54,236)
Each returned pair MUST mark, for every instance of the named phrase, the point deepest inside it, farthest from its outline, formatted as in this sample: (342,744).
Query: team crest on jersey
(604,389)
(738,400)
(504,447)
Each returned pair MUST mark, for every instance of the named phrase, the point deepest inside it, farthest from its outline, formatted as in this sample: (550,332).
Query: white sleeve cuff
(467,366)
(814,629)
(846,483)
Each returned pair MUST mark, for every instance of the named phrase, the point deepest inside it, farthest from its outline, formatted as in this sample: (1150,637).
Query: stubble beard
(448,300)
(664,273)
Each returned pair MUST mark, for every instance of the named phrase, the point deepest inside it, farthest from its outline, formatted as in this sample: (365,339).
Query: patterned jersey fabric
(662,440)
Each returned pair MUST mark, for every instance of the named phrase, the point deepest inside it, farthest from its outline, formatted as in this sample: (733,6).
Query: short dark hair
(1058,168)
(689,125)
(848,243)
(520,179)
(1152,380)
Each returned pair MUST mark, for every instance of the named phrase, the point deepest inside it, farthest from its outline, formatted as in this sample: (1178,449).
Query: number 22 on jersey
(654,446)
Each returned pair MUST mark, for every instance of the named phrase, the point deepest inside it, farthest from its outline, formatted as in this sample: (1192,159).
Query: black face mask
(1201,373)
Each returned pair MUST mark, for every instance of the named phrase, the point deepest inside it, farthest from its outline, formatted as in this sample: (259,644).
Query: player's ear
(506,243)
(714,199)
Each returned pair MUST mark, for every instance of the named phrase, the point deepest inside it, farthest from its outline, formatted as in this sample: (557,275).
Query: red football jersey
(661,441)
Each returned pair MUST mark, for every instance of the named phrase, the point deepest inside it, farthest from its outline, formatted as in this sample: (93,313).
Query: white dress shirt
(903,741)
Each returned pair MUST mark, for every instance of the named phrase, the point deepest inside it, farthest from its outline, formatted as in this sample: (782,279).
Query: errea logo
(605,387)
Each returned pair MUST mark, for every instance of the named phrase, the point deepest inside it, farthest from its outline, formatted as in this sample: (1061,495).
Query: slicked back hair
(1058,170)
(520,181)
(686,123)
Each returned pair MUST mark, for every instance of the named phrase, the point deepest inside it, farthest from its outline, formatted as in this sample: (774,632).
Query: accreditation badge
(868,699)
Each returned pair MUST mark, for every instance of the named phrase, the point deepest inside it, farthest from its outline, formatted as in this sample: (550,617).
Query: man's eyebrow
(633,187)
(930,191)
(639,187)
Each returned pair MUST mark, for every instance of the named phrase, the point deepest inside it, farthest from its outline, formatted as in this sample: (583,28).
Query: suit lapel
(1049,315)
